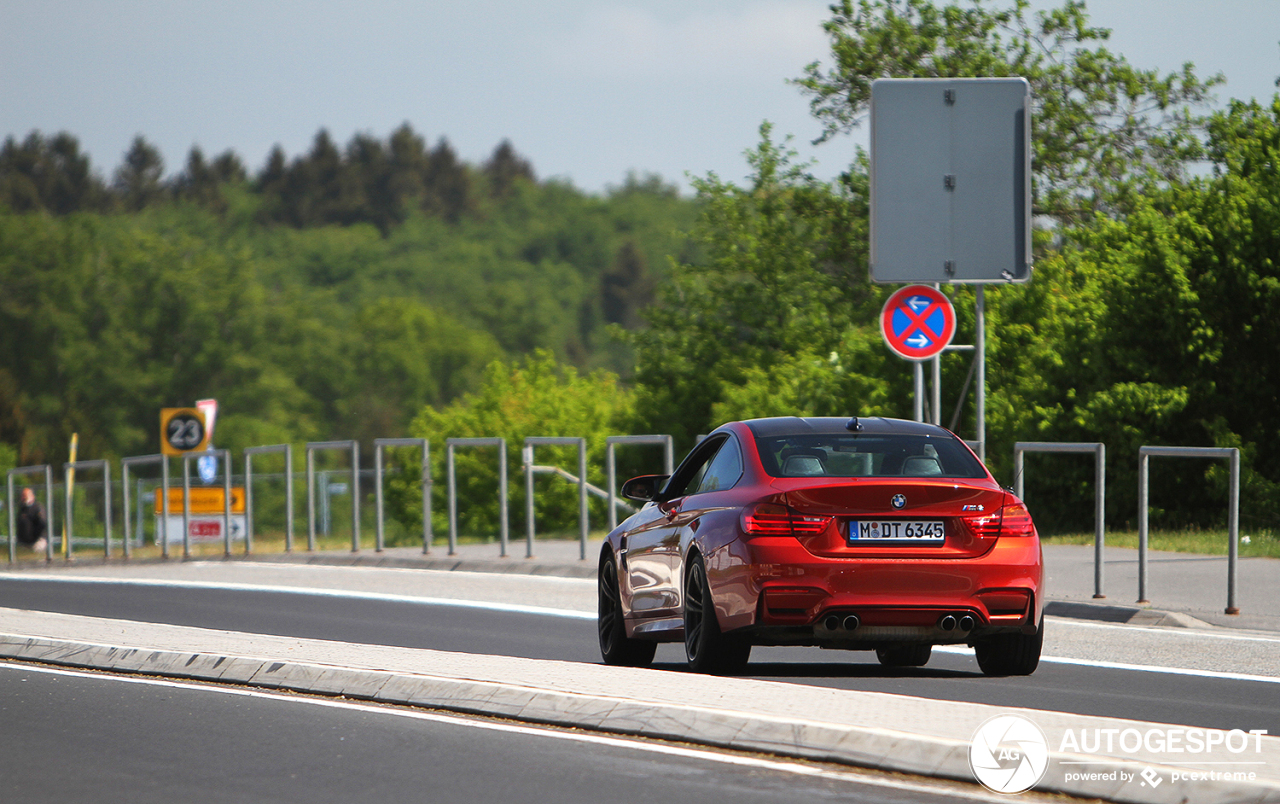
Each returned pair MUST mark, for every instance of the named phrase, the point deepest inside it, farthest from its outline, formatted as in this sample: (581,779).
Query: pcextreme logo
(1008,754)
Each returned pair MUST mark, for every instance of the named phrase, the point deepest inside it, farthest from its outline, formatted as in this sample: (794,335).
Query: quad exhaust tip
(832,622)
(950,622)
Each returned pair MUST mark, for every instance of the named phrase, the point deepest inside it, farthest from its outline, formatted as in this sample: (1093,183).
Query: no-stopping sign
(917,322)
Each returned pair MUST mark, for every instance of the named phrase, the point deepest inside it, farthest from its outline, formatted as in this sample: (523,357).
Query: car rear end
(887,534)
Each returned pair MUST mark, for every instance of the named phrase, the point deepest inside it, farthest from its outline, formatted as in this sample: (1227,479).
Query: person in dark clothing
(32,525)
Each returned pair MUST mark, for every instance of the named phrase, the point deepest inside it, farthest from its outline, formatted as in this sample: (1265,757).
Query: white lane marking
(580,615)
(472,574)
(1164,630)
(1140,668)
(853,776)
(516,608)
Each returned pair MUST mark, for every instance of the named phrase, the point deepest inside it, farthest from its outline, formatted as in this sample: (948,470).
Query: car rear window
(857,455)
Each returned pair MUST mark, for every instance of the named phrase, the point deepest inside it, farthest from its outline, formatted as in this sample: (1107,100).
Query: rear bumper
(783,594)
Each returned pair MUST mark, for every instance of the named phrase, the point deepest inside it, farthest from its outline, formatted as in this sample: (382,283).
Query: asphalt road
(1112,692)
(73,736)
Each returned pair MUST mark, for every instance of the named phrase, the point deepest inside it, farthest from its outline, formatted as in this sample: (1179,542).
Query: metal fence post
(249,452)
(453,504)
(1143,467)
(611,465)
(13,523)
(311,500)
(355,496)
(378,455)
(501,444)
(125,464)
(379,531)
(105,466)
(354,448)
(1099,491)
(1232,454)
(186,505)
(583,514)
(164,518)
(226,502)
(288,498)
(68,521)
(527,453)
(1233,533)
(124,502)
(1099,518)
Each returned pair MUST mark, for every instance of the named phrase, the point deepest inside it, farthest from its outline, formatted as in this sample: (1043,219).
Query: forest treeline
(332,295)
(369,181)
(386,288)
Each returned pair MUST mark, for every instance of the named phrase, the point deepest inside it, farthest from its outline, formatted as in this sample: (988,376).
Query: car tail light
(1016,521)
(1012,520)
(772,519)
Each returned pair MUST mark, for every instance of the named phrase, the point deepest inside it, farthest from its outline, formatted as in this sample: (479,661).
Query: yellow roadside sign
(204,500)
(182,430)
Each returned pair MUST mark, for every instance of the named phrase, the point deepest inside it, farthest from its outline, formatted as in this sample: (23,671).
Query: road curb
(874,748)
(509,565)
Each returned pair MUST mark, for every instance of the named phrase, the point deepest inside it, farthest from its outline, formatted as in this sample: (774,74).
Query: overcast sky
(586,89)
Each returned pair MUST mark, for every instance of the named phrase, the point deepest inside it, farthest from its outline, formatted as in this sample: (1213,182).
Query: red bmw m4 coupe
(860,534)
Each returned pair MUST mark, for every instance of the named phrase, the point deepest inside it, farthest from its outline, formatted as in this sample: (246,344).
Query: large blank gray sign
(950,180)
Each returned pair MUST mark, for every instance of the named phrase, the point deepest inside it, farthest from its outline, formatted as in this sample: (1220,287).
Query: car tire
(905,655)
(1010,654)
(706,647)
(615,647)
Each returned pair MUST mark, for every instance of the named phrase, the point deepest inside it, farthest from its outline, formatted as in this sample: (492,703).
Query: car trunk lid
(896,505)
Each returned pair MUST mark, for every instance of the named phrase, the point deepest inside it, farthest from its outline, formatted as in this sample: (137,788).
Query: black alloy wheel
(615,647)
(707,649)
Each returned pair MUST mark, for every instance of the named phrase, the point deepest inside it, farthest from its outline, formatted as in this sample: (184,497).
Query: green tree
(535,397)
(1103,131)
(1155,330)
(138,179)
(48,175)
(782,283)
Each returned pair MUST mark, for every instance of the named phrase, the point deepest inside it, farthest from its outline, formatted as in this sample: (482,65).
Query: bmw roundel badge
(899,500)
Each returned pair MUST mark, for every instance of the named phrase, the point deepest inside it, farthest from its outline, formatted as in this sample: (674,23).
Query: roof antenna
(853,424)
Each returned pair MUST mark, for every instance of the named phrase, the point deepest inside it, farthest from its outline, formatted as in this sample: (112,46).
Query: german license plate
(928,531)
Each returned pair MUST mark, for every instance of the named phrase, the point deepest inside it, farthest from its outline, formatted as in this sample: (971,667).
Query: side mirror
(644,488)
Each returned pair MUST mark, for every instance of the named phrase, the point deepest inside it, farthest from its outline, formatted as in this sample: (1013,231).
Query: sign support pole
(918,369)
(936,402)
(980,344)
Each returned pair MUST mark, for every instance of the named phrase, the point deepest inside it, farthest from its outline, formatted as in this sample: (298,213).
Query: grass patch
(1258,544)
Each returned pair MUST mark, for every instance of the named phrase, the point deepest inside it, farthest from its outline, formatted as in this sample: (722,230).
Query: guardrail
(501,443)
(1233,512)
(249,452)
(611,466)
(131,464)
(378,445)
(529,468)
(143,460)
(67,470)
(354,447)
(1099,491)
